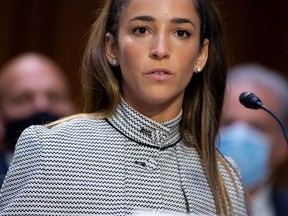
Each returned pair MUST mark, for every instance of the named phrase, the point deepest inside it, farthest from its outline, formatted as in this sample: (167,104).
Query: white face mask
(250,150)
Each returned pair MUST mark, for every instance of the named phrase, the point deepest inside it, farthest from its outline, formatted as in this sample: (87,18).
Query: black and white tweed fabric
(118,166)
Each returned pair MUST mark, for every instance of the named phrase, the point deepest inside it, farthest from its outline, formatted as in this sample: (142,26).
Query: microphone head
(250,100)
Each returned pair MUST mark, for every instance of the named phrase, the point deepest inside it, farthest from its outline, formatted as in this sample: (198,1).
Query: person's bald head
(32,83)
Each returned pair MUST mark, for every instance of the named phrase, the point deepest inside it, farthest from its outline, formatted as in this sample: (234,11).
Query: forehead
(30,74)
(234,108)
(161,8)
(266,94)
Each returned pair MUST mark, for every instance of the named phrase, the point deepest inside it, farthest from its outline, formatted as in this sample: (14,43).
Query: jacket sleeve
(24,168)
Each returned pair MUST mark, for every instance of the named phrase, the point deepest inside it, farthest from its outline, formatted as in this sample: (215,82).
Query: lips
(159,74)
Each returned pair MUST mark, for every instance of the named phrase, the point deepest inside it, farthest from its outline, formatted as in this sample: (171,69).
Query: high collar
(143,130)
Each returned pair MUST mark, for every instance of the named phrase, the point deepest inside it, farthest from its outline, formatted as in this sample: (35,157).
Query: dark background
(257,30)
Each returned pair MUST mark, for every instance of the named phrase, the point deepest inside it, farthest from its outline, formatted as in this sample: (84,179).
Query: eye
(55,97)
(140,30)
(183,33)
(22,99)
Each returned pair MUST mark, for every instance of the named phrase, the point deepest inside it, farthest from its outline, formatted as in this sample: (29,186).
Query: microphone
(251,101)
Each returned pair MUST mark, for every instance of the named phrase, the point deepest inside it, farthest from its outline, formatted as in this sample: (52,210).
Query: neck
(160,114)
(157,112)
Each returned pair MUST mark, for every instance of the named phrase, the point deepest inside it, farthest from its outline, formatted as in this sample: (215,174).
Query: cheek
(187,57)
(186,67)
(187,63)
(186,79)
(130,57)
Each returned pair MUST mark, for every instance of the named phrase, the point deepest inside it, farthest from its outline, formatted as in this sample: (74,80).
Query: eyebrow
(176,20)
(143,18)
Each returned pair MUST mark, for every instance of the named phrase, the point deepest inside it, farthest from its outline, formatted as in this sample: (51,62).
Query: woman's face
(157,49)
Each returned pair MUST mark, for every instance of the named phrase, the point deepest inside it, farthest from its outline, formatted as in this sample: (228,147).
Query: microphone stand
(277,119)
(251,101)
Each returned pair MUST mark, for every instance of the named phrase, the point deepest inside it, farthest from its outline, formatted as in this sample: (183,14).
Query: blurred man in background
(33,90)
(253,138)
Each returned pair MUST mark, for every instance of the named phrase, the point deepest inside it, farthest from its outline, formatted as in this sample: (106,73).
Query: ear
(110,49)
(202,57)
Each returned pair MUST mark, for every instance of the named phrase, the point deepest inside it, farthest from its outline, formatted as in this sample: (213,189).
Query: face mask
(249,149)
(15,128)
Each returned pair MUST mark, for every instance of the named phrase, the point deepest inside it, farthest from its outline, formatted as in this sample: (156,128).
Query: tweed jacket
(115,166)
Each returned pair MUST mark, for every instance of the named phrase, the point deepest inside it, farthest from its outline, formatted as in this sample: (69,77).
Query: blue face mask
(249,149)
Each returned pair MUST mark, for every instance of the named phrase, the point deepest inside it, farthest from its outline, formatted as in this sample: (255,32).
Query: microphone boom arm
(251,101)
(278,120)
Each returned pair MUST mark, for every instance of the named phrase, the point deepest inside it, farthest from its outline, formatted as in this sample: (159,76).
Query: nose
(41,103)
(160,47)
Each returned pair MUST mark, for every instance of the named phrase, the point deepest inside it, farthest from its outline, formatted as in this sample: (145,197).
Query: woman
(154,79)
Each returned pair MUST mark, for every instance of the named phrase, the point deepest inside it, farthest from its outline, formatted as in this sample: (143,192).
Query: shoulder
(39,141)
(227,164)
(69,126)
(66,132)
(77,121)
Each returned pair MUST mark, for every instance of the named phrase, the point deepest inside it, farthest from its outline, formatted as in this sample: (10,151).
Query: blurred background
(256,31)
